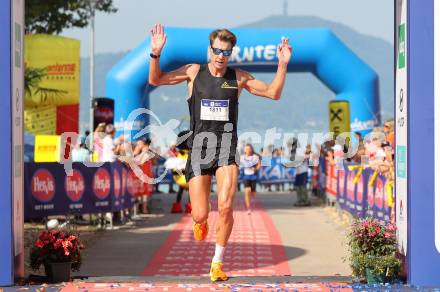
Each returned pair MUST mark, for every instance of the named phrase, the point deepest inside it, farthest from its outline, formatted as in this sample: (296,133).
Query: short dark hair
(250,145)
(224,35)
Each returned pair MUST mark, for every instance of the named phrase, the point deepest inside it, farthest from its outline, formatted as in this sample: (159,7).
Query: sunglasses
(218,51)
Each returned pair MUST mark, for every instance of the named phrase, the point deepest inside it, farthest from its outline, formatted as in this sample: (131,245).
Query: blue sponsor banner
(381,205)
(274,171)
(350,190)
(360,198)
(341,191)
(49,191)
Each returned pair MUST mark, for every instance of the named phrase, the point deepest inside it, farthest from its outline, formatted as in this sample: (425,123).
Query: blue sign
(6,244)
(423,257)
(274,171)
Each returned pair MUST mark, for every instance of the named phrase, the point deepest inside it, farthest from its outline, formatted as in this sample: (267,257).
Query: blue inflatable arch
(317,51)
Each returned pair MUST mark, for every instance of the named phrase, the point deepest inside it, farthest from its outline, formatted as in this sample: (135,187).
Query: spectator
(338,156)
(142,152)
(86,136)
(172,152)
(373,149)
(388,128)
(302,172)
(80,153)
(98,137)
(360,148)
(108,144)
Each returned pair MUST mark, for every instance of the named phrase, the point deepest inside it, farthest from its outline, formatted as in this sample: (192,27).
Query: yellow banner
(339,116)
(47,148)
(41,120)
(51,70)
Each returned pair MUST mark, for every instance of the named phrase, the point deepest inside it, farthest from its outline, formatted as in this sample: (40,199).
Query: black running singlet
(213,106)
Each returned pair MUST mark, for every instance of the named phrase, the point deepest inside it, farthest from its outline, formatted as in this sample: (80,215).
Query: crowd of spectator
(375,151)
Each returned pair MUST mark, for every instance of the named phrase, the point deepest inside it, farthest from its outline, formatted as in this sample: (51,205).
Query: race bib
(214,110)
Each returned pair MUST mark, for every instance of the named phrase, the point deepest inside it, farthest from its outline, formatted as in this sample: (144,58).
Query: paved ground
(312,242)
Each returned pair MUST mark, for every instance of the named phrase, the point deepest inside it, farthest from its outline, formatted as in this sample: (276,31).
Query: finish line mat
(135,287)
(254,248)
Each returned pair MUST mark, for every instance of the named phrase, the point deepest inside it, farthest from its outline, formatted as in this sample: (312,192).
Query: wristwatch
(154,56)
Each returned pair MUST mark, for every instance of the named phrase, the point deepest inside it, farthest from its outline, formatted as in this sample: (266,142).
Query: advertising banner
(52,64)
(109,188)
(331,180)
(361,199)
(47,148)
(104,111)
(342,186)
(52,84)
(41,120)
(274,171)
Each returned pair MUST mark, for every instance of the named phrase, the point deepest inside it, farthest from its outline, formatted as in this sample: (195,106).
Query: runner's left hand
(284,51)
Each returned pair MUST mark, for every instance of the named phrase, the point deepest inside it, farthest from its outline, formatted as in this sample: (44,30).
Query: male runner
(213,91)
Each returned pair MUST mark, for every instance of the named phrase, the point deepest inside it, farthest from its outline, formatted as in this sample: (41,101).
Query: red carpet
(254,248)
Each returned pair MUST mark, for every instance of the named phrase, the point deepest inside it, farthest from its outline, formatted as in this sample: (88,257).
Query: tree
(52,16)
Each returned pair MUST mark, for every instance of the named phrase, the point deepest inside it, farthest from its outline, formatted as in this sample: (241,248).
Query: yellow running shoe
(200,230)
(217,273)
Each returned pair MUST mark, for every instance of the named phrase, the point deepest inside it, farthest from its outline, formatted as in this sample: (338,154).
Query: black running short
(251,184)
(197,165)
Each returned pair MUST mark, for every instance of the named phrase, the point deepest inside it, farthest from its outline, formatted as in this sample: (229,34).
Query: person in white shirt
(250,162)
(108,145)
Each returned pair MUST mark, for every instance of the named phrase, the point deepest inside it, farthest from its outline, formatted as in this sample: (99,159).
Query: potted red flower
(373,251)
(59,252)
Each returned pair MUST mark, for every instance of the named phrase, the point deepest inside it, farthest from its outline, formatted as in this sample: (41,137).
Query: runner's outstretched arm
(156,76)
(273,90)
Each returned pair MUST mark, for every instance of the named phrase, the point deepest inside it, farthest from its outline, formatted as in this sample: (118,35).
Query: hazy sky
(128,27)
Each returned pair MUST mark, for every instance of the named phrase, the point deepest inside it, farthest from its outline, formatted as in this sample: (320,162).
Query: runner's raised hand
(284,51)
(158,39)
